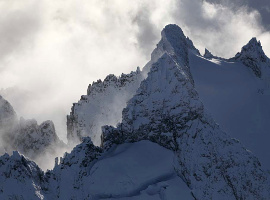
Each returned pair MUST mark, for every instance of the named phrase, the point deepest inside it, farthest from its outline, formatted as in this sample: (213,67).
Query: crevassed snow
(233,95)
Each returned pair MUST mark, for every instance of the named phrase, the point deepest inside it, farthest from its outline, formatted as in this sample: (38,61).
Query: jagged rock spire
(208,54)
(253,56)
(103,104)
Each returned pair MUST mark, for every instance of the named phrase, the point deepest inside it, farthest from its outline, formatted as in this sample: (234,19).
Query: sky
(50,51)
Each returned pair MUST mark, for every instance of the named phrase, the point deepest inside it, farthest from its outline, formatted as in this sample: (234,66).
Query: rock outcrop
(253,56)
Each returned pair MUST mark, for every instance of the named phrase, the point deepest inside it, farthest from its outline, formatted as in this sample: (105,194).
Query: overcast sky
(51,50)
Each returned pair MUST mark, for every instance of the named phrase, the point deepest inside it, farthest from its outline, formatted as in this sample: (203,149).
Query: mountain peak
(171,31)
(253,56)
(253,46)
(174,43)
(177,39)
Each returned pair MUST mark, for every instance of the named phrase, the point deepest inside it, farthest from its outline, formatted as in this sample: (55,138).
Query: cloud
(147,31)
(19,23)
(54,49)
(221,29)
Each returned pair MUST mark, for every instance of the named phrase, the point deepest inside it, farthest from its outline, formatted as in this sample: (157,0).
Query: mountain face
(166,109)
(106,99)
(166,145)
(26,136)
(103,104)
(35,140)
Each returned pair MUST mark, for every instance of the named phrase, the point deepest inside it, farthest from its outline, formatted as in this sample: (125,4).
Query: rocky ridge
(102,105)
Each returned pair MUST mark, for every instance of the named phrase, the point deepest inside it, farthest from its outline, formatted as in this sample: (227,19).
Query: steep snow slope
(237,99)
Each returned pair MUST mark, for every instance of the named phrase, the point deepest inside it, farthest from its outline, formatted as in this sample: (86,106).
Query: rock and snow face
(20,178)
(103,104)
(26,136)
(106,99)
(166,147)
(35,141)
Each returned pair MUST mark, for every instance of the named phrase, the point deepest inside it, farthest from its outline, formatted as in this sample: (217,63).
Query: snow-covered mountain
(166,109)
(26,136)
(166,146)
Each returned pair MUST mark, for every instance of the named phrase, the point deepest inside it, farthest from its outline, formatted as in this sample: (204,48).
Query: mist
(52,50)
